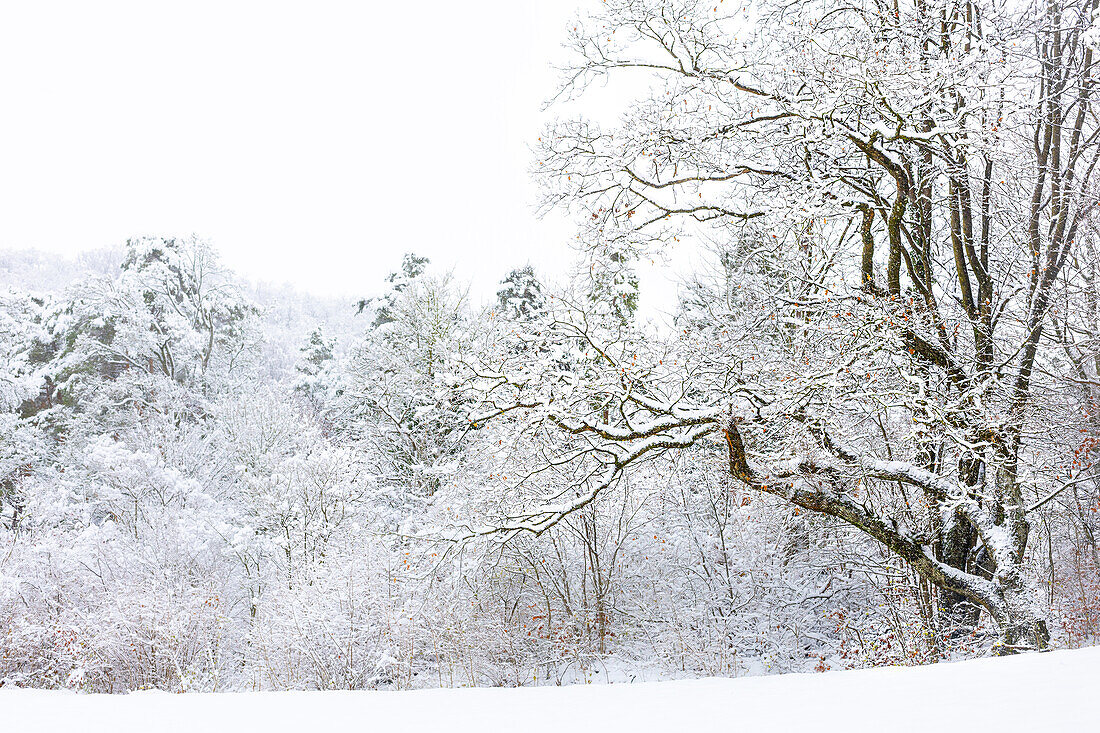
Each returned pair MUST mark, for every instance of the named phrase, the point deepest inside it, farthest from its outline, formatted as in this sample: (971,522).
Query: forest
(866,435)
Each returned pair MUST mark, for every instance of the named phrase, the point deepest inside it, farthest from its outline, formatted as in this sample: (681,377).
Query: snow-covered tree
(315,378)
(520,296)
(902,194)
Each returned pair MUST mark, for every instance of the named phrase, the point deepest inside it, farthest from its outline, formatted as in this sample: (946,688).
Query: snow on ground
(1037,692)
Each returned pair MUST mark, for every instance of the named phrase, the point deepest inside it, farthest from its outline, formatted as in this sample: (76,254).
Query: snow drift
(1048,692)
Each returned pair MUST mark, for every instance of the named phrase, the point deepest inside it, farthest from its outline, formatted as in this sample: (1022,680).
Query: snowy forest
(865,435)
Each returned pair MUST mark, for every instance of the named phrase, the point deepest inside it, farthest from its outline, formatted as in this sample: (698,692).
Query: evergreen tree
(520,296)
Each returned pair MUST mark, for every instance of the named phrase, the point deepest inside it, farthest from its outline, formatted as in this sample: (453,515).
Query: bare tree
(897,191)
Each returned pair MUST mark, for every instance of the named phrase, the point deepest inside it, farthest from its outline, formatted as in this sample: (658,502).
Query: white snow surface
(1054,691)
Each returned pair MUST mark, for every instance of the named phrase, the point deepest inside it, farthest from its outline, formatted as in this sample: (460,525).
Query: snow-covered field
(1037,692)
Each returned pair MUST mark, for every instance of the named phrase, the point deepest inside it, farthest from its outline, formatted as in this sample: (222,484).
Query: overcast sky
(312,142)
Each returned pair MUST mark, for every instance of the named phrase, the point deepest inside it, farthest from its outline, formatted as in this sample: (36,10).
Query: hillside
(1047,692)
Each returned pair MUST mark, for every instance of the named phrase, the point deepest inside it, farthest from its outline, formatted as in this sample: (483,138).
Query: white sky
(312,142)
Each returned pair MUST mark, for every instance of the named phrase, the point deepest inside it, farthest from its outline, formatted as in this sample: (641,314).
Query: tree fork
(1004,596)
